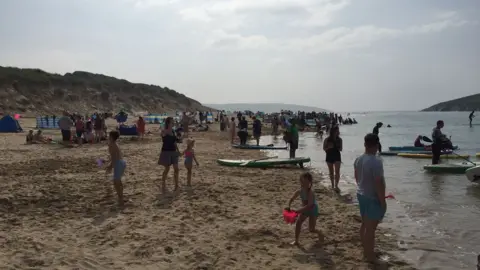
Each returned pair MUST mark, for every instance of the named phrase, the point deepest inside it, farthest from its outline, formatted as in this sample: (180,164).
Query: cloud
(237,14)
(335,39)
(150,3)
(296,25)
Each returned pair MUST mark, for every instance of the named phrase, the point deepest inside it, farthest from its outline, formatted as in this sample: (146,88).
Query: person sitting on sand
(117,164)
(309,209)
(39,138)
(370,193)
(189,158)
(29,139)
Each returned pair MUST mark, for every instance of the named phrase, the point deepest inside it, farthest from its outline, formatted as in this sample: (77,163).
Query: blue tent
(9,125)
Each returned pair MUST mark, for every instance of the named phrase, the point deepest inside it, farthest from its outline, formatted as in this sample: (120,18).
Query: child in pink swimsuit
(189,155)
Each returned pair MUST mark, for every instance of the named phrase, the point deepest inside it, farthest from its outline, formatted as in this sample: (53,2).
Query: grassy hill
(36,91)
(468,103)
(264,107)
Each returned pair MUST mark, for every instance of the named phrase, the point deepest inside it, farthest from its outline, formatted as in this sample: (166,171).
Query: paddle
(426,139)
(255,160)
(464,158)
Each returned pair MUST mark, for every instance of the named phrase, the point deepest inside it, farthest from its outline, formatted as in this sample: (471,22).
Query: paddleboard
(415,155)
(259,147)
(412,148)
(473,174)
(448,168)
(264,163)
(394,153)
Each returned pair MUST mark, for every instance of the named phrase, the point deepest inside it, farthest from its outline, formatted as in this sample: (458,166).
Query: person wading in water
(333,146)
(376,131)
(471,116)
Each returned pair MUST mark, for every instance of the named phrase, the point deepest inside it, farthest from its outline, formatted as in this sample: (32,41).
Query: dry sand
(54,213)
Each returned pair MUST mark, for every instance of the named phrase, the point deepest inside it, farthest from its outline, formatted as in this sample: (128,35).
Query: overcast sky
(341,55)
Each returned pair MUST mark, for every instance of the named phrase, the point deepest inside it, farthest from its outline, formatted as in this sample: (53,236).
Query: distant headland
(468,103)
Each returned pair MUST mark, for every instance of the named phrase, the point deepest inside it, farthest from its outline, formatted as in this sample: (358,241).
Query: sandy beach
(55,214)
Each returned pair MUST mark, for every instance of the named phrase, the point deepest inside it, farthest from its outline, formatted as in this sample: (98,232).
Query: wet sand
(55,214)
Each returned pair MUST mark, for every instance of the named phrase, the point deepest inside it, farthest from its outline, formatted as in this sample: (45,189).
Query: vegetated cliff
(468,103)
(33,91)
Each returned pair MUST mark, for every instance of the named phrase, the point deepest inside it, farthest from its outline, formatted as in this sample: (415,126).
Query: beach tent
(9,125)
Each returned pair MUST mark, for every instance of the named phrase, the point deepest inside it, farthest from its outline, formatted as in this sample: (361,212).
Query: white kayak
(473,174)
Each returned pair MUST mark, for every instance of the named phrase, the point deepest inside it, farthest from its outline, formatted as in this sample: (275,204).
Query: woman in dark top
(332,146)
(243,131)
(169,154)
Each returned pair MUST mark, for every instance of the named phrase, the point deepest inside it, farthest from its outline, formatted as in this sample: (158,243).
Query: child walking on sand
(117,164)
(309,209)
(189,158)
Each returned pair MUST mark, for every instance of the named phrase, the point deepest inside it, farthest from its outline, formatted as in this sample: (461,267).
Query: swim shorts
(66,134)
(168,158)
(370,207)
(119,169)
(333,157)
(312,213)
(188,161)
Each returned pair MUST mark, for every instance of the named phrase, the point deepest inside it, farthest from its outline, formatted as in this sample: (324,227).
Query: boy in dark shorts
(370,194)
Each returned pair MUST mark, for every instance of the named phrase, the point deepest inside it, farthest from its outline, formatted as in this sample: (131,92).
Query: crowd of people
(368,168)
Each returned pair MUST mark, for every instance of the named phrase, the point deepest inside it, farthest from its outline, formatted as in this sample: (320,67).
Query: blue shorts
(370,207)
(119,169)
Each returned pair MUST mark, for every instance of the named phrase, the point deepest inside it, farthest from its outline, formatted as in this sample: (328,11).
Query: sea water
(437,217)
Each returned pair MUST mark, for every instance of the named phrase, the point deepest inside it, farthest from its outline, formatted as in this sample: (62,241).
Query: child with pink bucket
(309,209)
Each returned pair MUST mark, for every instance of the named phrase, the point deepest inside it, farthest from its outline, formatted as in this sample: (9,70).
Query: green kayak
(448,168)
(263,163)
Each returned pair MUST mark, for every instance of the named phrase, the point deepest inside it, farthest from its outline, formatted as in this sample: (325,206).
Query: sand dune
(55,214)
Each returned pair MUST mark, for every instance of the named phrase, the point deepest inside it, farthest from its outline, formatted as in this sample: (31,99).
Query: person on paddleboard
(471,116)
(376,130)
(418,142)
(439,140)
